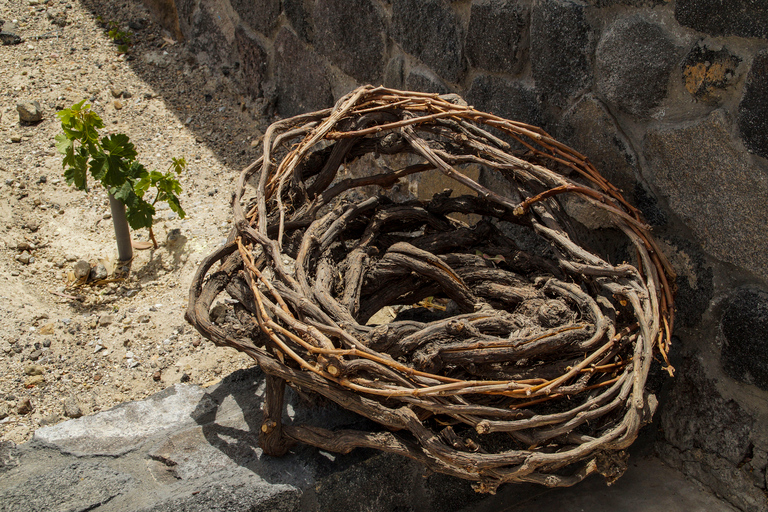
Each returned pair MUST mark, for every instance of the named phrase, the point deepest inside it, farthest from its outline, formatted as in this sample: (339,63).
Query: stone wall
(669,98)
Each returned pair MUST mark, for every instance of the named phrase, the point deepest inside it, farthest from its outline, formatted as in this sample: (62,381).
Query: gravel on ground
(69,349)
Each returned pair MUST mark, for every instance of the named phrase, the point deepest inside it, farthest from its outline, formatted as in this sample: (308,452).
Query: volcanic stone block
(635,59)
(422,79)
(254,60)
(431,31)
(393,72)
(711,183)
(261,15)
(302,80)
(753,109)
(707,73)
(211,33)
(560,49)
(495,35)
(743,18)
(512,100)
(589,128)
(745,328)
(695,286)
(351,34)
(298,14)
(697,416)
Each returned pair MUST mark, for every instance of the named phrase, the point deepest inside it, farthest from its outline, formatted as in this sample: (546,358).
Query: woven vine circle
(478,329)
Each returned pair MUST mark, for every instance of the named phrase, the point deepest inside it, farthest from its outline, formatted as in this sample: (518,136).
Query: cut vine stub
(480,329)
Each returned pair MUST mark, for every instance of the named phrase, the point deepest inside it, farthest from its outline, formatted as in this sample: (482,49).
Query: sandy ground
(67,350)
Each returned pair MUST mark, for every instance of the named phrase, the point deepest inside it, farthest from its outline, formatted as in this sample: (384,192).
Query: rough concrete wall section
(506,98)
(669,99)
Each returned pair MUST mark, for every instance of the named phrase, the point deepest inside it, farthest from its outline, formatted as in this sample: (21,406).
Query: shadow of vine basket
(477,330)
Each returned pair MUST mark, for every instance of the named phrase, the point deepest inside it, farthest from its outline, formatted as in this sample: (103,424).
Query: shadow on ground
(203,95)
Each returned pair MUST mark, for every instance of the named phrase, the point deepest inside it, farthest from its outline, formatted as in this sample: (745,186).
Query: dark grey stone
(695,286)
(254,60)
(745,329)
(78,486)
(125,427)
(260,15)
(560,49)
(732,483)
(9,38)
(695,416)
(351,34)
(394,72)
(495,35)
(299,16)
(29,111)
(9,456)
(648,204)
(744,18)
(72,408)
(708,73)
(186,11)
(590,129)
(431,31)
(98,272)
(753,109)
(635,59)
(82,268)
(422,79)
(509,99)
(711,183)
(346,490)
(302,80)
(231,495)
(207,37)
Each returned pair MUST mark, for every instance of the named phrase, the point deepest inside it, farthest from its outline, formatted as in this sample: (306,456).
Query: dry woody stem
(479,330)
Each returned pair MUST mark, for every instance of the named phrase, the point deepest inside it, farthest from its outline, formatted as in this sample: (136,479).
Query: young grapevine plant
(111,161)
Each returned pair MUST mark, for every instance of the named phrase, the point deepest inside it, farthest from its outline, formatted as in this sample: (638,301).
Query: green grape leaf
(178,164)
(63,144)
(136,171)
(76,173)
(124,193)
(140,214)
(119,145)
(173,202)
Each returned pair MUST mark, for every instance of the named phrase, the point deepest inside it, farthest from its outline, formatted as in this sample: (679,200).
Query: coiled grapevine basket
(477,328)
